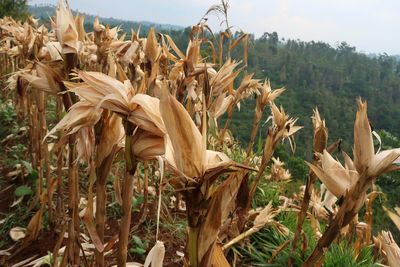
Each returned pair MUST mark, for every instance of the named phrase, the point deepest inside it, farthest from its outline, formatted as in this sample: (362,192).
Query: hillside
(316,74)
(44,11)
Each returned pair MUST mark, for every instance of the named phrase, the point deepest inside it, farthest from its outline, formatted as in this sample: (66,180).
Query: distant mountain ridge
(44,11)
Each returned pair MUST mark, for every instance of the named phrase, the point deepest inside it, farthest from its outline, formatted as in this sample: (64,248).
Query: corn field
(126,135)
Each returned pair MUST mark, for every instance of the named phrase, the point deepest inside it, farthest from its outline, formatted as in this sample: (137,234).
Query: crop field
(117,150)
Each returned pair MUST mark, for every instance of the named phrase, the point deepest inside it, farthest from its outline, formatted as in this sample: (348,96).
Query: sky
(372,26)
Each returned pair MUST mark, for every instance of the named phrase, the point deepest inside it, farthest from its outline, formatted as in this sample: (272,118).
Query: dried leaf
(156,255)
(219,258)
(17,233)
(112,133)
(91,227)
(394,217)
(184,135)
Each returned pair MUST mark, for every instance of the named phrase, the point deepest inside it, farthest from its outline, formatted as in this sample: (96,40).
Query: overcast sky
(373,26)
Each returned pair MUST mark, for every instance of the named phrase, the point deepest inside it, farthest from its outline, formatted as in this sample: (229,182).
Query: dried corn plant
(145,103)
(351,181)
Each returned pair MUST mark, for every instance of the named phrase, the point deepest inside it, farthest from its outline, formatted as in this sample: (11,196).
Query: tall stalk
(130,169)
(44,169)
(60,164)
(102,172)
(256,124)
(73,178)
(73,192)
(311,179)
(347,211)
(194,201)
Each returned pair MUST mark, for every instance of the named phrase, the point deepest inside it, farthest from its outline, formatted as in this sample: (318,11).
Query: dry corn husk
(156,255)
(267,95)
(225,76)
(364,152)
(390,248)
(334,176)
(320,132)
(46,77)
(65,29)
(105,92)
(220,105)
(337,178)
(81,114)
(112,134)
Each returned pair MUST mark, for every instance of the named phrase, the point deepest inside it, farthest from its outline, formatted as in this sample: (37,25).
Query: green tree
(15,8)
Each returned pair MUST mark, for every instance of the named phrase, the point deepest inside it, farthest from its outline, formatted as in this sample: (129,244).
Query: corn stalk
(102,172)
(347,211)
(130,169)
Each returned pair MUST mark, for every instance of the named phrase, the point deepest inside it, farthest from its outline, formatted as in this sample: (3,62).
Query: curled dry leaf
(390,247)
(320,132)
(186,141)
(112,134)
(364,152)
(146,145)
(335,177)
(17,233)
(65,28)
(34,226)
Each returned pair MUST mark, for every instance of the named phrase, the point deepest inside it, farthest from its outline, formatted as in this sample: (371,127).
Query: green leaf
(23,190)
(138,250)
(32,176)
(27,166)
(137,201)
(137,241)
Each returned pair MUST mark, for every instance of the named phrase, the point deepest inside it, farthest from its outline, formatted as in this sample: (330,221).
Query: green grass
(259,248)
(342,254)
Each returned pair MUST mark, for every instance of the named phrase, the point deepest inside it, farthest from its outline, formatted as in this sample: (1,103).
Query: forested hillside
(317,74)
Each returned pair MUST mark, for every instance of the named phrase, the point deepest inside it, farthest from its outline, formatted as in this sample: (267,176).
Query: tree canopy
(14,8)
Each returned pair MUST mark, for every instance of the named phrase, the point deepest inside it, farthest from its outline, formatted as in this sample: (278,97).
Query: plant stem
(256,124)
(347,211)
(269,148)
(302,214)
(130,165)
(192,245)
(102,172)
(59,172)
(227,123)
(307,197)
(73,184)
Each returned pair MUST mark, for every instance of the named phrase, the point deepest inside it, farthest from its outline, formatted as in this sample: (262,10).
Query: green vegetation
(14,8)
(316,74)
